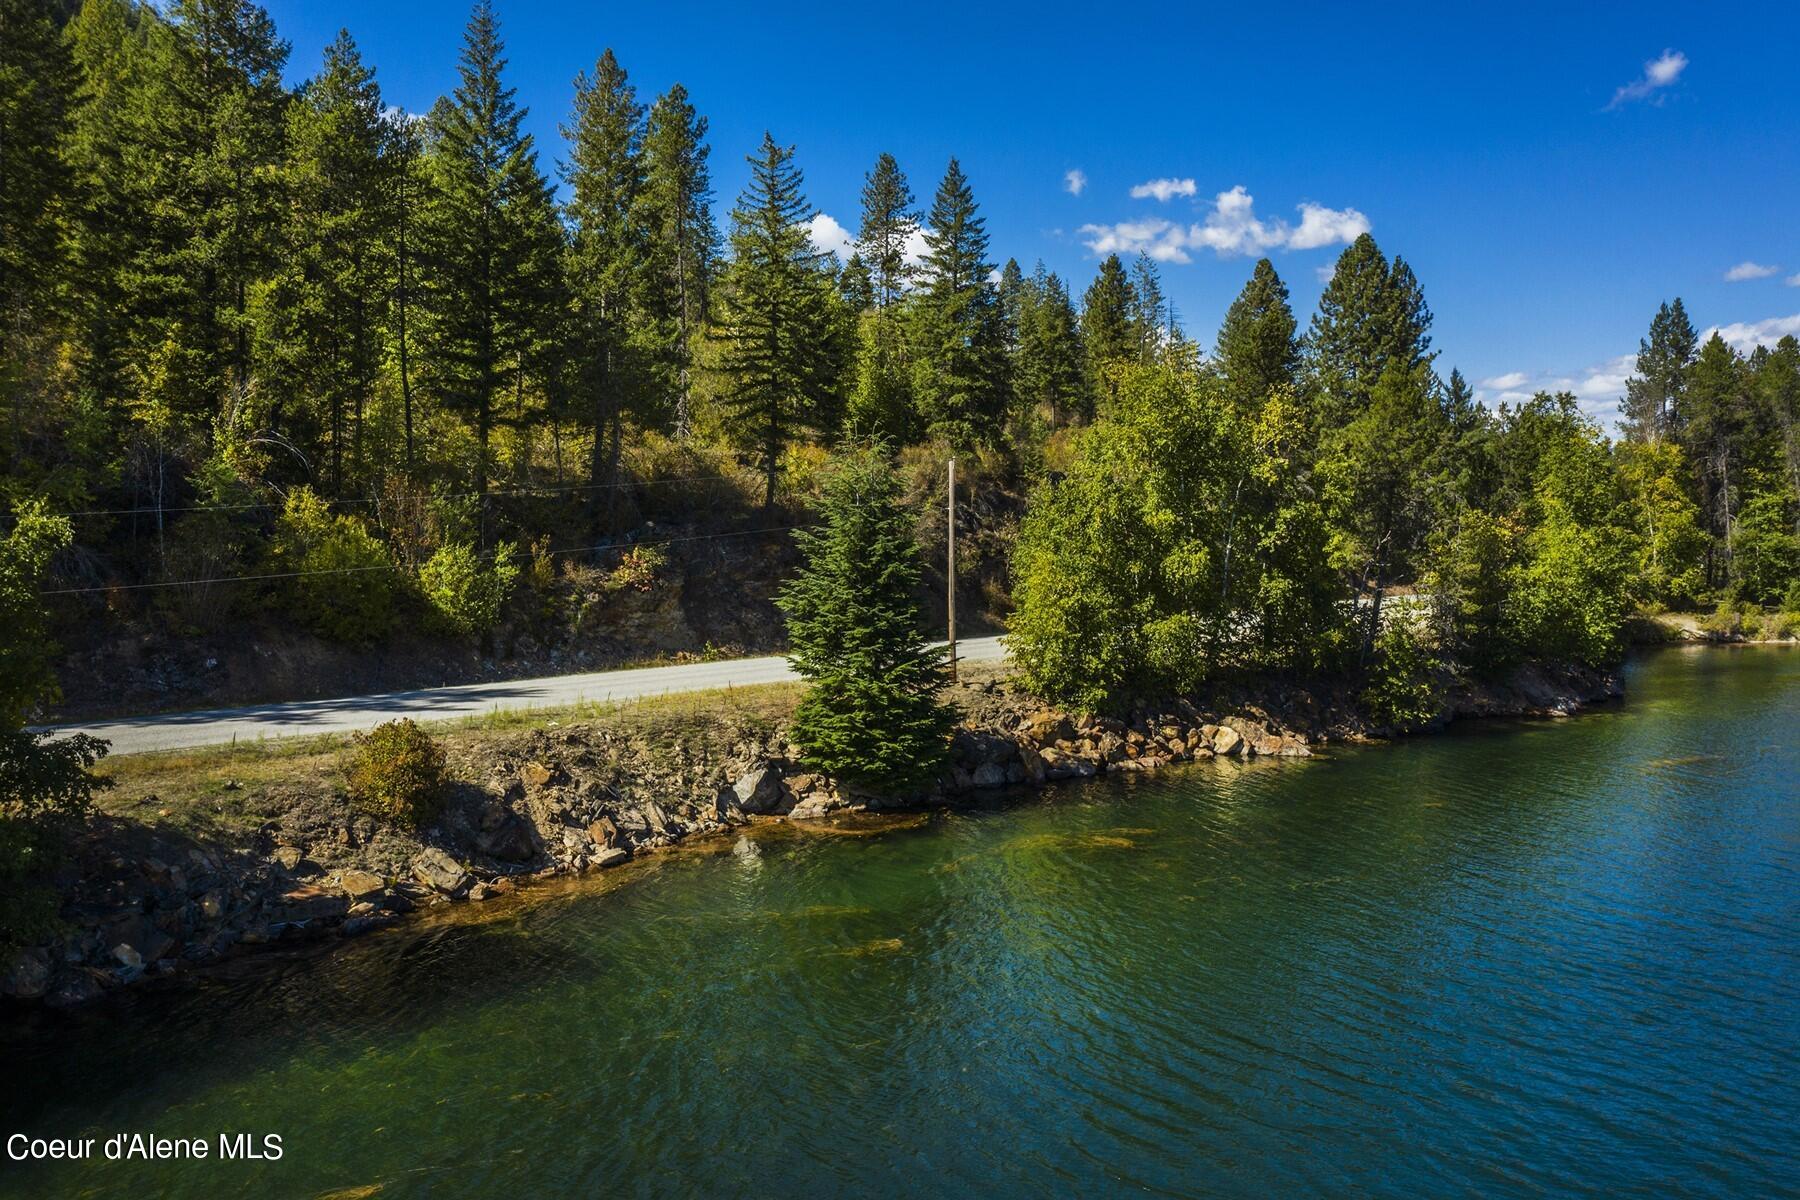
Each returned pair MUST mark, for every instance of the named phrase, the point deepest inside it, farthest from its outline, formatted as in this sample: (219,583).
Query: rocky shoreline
(142,902)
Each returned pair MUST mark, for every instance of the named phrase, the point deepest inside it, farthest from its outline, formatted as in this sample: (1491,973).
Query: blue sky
(1552,172)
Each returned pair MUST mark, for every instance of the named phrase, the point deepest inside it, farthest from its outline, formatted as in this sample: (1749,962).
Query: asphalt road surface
(174,731)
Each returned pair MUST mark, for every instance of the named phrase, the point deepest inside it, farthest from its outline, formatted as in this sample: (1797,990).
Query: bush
(397,772)
(343,585)
(464,591)
(1402,689)
(1791,602)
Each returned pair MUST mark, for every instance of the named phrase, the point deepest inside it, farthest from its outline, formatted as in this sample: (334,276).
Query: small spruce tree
(871,715)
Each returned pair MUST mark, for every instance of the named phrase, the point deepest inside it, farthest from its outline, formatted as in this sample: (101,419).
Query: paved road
(173,731)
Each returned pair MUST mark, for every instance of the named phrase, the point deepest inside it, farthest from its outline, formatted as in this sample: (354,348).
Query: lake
(1520,959)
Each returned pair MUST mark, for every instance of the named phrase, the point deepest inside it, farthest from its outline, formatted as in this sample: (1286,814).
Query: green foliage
(1574,589)
(339,581)
(467,589)
(1470,579)
(1671,562)
(397,772)
(1402,688)
(871,715)
(783,352)
(957,337)
(1257,350)
(44,782)
(1765,554)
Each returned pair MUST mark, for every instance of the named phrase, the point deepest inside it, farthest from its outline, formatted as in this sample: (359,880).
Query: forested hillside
(292,355)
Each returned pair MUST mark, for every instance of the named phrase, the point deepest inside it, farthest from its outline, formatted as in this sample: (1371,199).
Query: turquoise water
(1557,958)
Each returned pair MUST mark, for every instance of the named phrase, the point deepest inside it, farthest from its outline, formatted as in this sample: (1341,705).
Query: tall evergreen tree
(1714,415)
(1257,350)
(1372,318)
(888,226)
(38,81)
(491,245)
(684,243)
(1052,375)
(959,364)
(780,335)
(1106,327)
(607,256)
(322,316)
(1151,316)
(872,714)
(1778,383)
(1653,397)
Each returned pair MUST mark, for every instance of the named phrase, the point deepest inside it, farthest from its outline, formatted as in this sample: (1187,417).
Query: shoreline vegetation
(198,857)
(299,360)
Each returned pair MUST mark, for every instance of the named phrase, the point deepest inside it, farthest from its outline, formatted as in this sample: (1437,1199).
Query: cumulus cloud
(1658,74)
(1075,181)
(1792,281)
(1749,270)
(1745,336)
(829,237)
(1164,189)
(1597,389)
(1230,228)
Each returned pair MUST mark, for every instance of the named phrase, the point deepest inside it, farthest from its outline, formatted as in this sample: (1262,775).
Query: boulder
(441,873)
(360,884)
(288,857)
(535,775)
(1046,727)
(610,856)
(726,809)
(814,806)
(28,977)
(128,957)
(212,905)
(988,775)
(759,789)
(307,903)
(509,841)
(1227,741)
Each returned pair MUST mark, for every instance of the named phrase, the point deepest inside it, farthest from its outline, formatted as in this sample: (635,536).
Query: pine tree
(1778,383)
(1151,318)
(1257,350)
(224,201)
(781,347)
(38,81)
(888,226)
(491,244)
(684,244)
(1713,418)
(1052,375)
(871,715)
(1106,327)
(323,316)
(959,355)
(1653,397)
(607,255)
(1372,318)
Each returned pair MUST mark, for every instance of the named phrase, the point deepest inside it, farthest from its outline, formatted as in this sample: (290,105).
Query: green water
(1559,958)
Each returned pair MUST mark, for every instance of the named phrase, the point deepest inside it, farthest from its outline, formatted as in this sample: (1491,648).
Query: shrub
(1402,689)
(466,592)
(1791,602)
(396,771)
(343,585)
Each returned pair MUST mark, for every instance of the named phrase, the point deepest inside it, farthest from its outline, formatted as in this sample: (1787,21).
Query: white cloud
(828,237)
(1075,182)
(1658,73)
(1792,281)
(1164,189)
(1598,389)
(1745,336)
(1232,227)
(1321,226)
(1749,270)
(1511,381)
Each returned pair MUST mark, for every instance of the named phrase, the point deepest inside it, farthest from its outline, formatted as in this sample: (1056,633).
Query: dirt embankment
(202,856)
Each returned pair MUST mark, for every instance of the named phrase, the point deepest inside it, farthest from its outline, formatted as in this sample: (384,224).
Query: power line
(546,490)
(169,583)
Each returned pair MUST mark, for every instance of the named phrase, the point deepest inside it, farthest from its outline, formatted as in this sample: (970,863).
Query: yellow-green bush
(396,771)
(337,579)
(465,589)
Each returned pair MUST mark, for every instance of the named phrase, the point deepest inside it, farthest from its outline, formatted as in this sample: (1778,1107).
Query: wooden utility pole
(950,571)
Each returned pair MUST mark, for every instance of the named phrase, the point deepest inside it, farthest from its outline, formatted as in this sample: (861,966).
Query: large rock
(360,884)
(1227,741)
(610,856)
(535,775)
(509,841)
(441,873)
(726,809)
(28,977)
(1046,727)
(307,903)
(988,775)
(759,789)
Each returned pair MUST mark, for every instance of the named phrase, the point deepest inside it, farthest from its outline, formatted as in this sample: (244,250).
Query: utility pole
(950,570)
